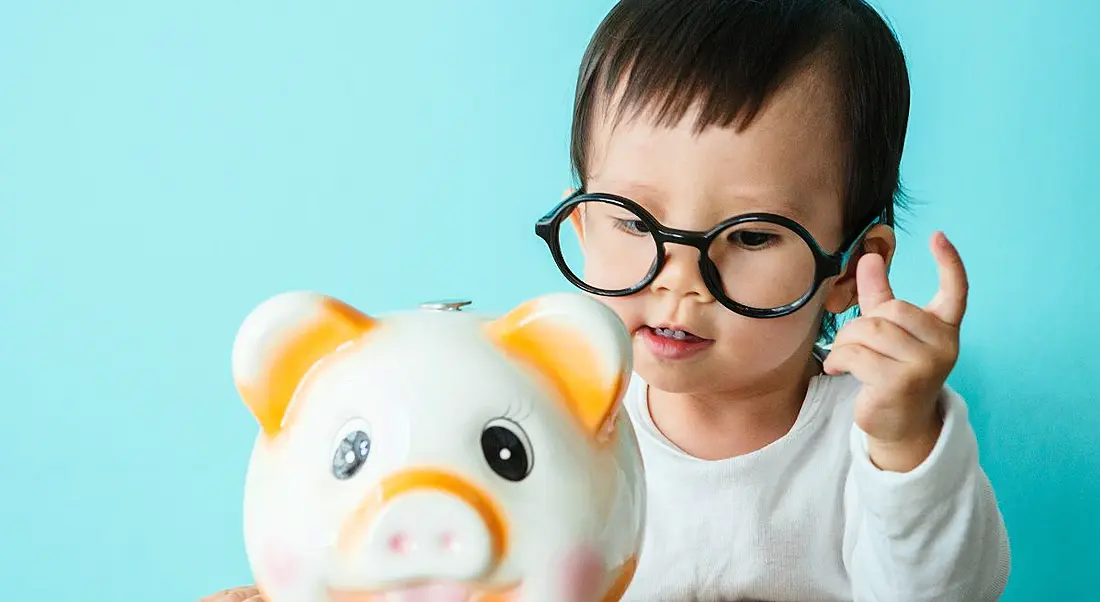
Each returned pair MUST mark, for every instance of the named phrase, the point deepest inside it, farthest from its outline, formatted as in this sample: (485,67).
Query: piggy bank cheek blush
(288,563)
(581,574)
(280,564)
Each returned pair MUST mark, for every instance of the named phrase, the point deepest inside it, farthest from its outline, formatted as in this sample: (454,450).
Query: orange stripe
(622,581)
(269,396)
(498,596)
(427,479)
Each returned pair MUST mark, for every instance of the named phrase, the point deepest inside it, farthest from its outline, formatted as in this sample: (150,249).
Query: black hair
(730,55)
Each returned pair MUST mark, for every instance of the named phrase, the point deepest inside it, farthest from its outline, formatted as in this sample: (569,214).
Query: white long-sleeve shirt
(809,518)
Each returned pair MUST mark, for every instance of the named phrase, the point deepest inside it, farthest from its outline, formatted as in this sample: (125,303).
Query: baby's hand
(239,594)
(902,354)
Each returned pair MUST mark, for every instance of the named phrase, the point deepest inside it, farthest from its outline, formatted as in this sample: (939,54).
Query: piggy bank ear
(582,348)
(280,341)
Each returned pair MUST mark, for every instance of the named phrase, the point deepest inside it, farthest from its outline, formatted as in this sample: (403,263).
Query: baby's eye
(632,226)
(746,238)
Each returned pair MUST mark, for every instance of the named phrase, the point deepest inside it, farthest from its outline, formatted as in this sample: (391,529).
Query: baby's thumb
(872,284)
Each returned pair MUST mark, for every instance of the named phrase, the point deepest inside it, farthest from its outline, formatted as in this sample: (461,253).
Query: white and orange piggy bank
(437,455)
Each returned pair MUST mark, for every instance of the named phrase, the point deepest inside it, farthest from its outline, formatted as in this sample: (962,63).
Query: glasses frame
(827,265)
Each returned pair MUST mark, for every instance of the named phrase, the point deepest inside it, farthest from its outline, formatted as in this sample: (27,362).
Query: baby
(738,169)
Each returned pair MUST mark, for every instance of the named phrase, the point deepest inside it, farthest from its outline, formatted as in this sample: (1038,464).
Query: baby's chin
(711,372)
(696,375)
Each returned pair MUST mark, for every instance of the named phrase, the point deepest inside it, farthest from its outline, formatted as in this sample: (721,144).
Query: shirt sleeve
(934,533)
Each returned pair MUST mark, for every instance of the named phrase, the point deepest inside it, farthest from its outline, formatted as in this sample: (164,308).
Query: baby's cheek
(581,575)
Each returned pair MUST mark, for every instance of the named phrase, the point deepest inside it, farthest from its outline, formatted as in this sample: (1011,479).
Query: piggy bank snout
(430,534)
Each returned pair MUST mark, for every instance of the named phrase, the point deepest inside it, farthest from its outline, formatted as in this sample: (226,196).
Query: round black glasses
(759,265)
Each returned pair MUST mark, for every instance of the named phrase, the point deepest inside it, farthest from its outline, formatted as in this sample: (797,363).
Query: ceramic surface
(437,454)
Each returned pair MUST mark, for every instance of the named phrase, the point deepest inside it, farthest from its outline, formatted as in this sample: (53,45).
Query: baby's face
(790,161)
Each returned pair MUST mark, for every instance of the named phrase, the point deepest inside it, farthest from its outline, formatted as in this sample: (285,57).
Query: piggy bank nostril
(448,542)
(400,543)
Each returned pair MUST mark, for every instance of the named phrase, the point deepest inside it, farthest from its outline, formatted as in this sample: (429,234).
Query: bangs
(725,58)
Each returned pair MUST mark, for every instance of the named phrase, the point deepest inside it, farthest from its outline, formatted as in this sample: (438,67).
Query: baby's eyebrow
(787,203)
(735,201)
(786,206)
(635,190)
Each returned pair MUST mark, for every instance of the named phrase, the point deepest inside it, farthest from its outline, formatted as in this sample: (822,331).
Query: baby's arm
(934,533)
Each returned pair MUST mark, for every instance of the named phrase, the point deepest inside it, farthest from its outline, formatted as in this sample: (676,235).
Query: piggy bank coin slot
(446,305)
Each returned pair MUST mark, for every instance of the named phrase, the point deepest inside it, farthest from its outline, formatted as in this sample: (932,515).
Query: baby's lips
(691,336)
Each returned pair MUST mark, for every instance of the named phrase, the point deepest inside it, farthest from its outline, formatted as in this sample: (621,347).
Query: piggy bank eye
(507,449)
(350,455)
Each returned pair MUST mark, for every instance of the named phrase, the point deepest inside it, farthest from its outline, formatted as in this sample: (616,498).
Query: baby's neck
(734,423)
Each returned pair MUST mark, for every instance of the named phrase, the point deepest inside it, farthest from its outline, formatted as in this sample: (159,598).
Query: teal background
(166,166)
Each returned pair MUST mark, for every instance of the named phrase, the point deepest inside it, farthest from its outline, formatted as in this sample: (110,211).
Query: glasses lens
(606,246)
(763,265)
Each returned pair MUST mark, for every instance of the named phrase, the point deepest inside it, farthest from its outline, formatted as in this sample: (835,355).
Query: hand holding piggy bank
(437,455)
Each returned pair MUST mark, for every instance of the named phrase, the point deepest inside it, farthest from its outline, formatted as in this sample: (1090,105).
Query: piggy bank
(435,454)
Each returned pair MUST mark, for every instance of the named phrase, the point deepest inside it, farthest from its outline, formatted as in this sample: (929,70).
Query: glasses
(758,265)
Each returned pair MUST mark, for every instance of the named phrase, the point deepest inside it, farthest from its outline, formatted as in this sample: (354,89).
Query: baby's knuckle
(951,349)
(944,351)
(916,378)
(927,375)
(945,365)
(894,310)
(907,388)
(877,325)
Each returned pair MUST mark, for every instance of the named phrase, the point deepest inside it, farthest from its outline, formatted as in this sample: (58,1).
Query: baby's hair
(730,55)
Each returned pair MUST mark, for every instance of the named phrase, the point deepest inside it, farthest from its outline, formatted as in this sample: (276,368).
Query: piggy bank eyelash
(519,409)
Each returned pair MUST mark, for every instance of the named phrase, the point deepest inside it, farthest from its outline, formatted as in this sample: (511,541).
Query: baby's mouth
(676,334)
(672,342)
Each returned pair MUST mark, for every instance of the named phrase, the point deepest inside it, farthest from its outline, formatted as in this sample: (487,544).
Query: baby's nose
(681,274)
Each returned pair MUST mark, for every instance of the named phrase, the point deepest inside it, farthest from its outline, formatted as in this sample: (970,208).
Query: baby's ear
(844,294)
(280,341)
(580,346)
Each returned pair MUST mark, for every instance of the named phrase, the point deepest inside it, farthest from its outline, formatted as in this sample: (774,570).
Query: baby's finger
(922,324)
(881,335)
(949,304)
(872,283)
(237,594)
(864,363)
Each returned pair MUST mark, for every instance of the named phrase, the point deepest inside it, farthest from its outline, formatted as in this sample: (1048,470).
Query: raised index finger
(949,304)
